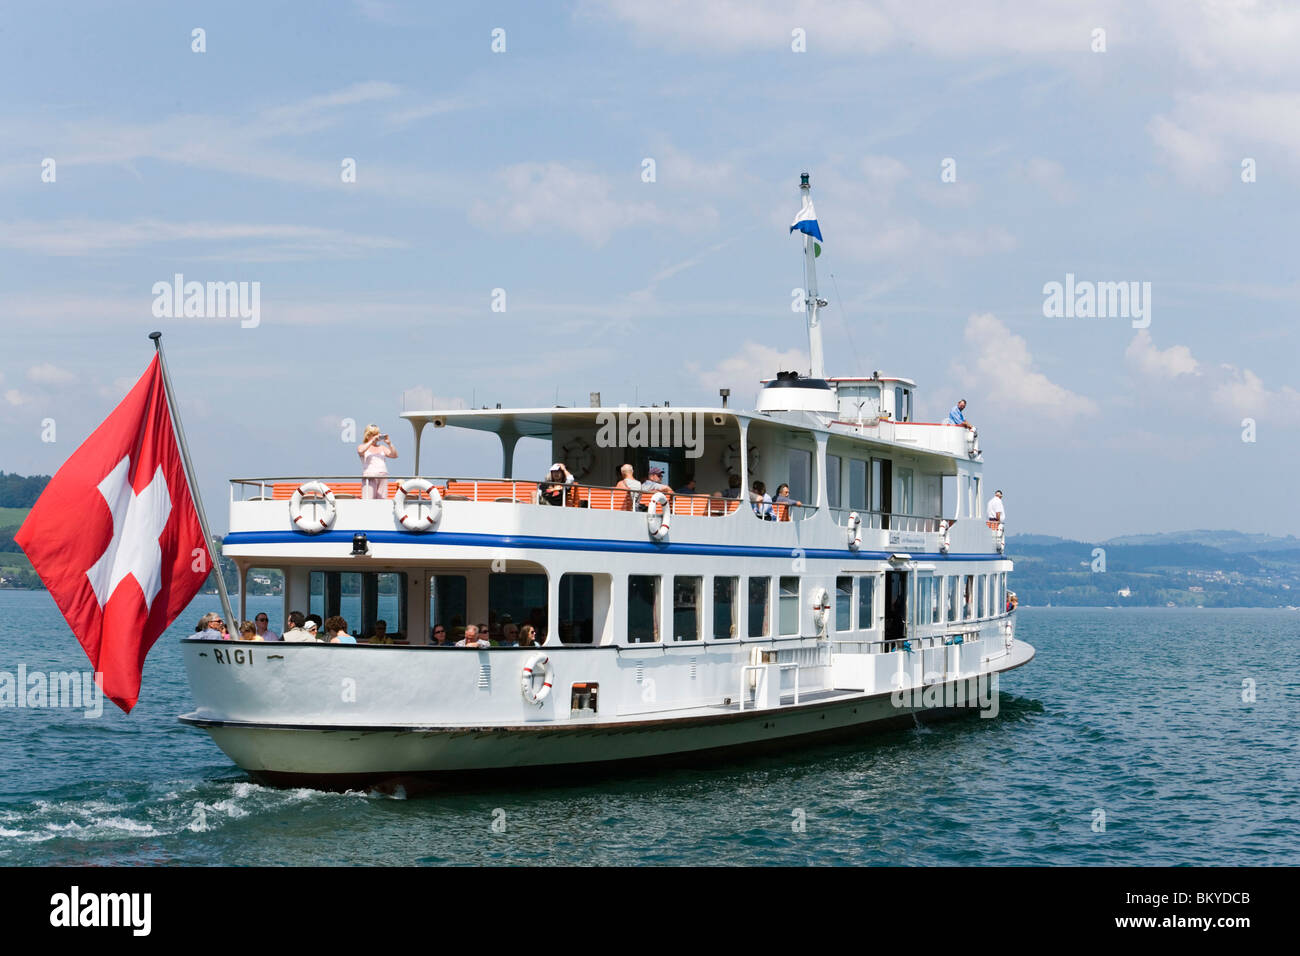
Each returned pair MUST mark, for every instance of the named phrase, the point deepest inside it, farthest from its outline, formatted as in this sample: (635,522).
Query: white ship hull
(302,739)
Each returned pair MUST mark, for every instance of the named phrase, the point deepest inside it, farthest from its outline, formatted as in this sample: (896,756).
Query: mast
(231,620)
(812,303)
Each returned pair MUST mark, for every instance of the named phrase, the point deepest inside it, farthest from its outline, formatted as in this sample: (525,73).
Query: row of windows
(738,609)
(959,597)
(869,483)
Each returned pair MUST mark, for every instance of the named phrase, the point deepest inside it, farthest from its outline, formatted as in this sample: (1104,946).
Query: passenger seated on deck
(626,482)
(211,626)
(528,636)
(654,482)
(761,503)
(296,632)
(783,496)
(472,638)
(336,631)
(552,490)
(381,635)
(440,637)
(248,632)
(510,634)
(733,486)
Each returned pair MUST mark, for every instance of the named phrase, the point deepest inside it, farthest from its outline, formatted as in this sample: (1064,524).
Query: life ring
(731,458)
(414,520)
(658,522)
(578,457)
(538,665)
(318,490)
(821,608)
(855,531)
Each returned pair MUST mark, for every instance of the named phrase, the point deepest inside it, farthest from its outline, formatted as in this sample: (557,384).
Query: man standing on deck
(996,513)
(957,415)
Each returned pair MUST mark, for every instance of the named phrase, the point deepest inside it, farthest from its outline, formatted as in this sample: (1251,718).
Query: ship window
(726,594)
(832,481)
(759,592)
(517,599)
(844,604)
(936,600)
(866,611)
(577,609)
(924,598)
(686,608)
(361,598)
(447,603)
(788,618)
(642,609)
(801,475)
(857,484)
(905,503)
(954,601)
(970,597)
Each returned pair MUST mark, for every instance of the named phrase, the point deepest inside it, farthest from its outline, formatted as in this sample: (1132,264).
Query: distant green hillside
(11,518)
(21,491)
(1234,541)
(1167,571)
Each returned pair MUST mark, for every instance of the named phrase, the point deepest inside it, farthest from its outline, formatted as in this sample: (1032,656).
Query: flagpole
(232,624)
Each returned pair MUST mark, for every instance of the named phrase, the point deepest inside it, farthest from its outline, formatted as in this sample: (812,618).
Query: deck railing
(892,521)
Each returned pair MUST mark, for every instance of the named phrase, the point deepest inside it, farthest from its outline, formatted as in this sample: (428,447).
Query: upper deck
(882,485)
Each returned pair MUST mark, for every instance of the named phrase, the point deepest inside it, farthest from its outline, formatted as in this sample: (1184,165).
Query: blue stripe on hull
(580,544)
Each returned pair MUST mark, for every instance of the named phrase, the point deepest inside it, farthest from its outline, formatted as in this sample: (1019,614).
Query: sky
(963,157)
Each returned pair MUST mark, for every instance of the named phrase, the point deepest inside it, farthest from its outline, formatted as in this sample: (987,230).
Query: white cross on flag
(116,538)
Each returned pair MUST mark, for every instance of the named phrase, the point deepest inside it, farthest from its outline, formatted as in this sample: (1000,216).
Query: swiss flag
(116,538)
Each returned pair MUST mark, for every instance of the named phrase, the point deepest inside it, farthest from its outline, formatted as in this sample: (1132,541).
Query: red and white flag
(116,538)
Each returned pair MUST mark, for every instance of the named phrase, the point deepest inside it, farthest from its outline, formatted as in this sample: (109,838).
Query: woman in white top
(374,449)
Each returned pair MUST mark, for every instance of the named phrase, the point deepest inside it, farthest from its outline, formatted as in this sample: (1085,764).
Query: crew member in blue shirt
(957,416)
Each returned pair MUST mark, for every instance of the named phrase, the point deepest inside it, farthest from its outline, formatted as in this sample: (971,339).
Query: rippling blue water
(1137,713)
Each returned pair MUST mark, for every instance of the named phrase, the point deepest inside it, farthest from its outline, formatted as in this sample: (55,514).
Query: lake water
(1136,713)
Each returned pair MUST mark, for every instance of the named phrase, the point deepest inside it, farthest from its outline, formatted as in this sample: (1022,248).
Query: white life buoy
(658,522)
(539,665)
(309,490)
(731,458)
(855,531)
(821,608)
(578,457)
(414,520)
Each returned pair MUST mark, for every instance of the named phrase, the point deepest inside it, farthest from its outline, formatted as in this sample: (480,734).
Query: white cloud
(1206,135)
(753,363)
(15,397)
(558,199)
(1232,392)
(419,398)
(118,389)
(883,173)
(47,374)
(1160,364)
(314,112)
(859,28)
(1047,174)
(1243,393)
(1241,35)
(76,237)
(999,365)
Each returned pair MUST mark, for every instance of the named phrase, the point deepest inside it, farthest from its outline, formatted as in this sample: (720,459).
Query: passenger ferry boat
(673,627)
